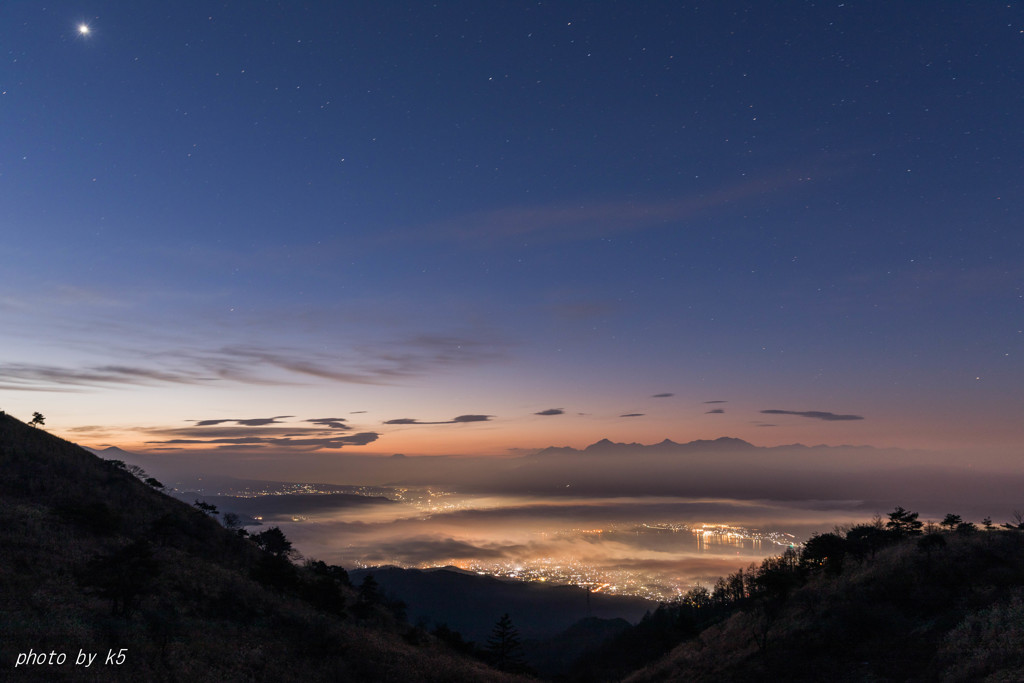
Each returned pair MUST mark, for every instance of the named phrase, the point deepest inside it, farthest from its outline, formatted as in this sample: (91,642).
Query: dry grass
(200,616)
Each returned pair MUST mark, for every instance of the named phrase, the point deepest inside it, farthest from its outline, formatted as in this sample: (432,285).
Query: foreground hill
(95,562)
(878,603)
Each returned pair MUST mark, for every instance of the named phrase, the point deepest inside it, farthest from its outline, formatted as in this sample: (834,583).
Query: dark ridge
(667,446)
(96,561)
(539,610)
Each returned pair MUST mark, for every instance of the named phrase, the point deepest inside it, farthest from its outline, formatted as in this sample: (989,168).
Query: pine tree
(367,596)
(904,523)
(274,542)
(504,648)
(951,522)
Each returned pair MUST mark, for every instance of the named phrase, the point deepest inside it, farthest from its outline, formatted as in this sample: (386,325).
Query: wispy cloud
(259,433)
(282,443)
(455,420)
(662,395)
(715,411)
(331,422)
(379,364)
(472,418)
(632,415)
(47,389)
(246,422)
(35,377)
(551,411)
(583,219)
(814,414)
(382,363)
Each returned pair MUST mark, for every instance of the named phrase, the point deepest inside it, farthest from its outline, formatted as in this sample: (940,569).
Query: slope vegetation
(890,602)
(96,562)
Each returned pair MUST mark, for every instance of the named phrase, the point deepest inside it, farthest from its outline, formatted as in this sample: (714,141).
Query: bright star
(83,29)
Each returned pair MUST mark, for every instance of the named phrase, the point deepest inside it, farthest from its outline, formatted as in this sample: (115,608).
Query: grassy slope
(200,617)
(950,613)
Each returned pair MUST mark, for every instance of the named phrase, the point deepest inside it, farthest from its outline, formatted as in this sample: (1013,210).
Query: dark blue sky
(240,210)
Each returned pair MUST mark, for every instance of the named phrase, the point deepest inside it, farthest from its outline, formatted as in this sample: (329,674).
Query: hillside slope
(539,610)
(95,562)
(942,606)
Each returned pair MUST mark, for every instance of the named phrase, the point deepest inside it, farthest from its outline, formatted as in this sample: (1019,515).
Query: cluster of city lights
(596,578)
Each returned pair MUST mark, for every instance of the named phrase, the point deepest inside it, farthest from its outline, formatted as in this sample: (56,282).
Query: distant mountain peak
(723,442)
(607,446)
(108,452)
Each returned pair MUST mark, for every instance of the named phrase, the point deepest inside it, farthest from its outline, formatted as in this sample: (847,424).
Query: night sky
(477,227)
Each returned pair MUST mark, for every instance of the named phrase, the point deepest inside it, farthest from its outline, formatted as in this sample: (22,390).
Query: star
(83,29)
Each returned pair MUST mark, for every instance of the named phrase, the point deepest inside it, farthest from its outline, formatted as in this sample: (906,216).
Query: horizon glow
(626,223)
